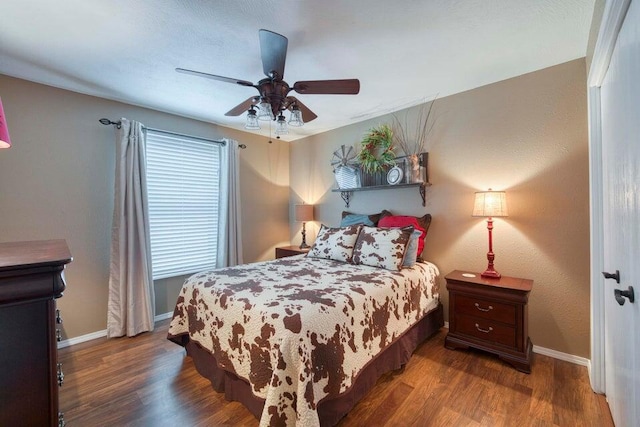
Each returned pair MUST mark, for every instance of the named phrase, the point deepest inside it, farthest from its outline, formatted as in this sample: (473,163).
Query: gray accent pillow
(355,219)
(370,220)
(411,254)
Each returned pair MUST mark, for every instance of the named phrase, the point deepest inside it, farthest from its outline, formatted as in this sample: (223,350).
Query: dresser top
(34,253)
(505,282)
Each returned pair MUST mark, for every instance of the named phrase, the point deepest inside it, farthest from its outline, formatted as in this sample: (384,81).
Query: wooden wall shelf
(377,181)
(346,194)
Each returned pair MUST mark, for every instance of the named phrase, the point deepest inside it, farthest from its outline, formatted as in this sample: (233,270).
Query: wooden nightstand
(490,315)
(285,251)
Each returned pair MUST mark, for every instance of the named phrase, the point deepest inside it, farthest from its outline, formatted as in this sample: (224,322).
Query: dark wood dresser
(31,278)
(491,315)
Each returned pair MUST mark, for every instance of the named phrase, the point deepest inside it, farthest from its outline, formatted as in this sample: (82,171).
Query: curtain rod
(118,124)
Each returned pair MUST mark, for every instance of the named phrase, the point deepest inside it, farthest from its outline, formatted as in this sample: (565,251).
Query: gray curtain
(229,233)
(131,296)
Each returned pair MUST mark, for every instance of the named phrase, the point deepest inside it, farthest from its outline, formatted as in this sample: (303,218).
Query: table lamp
(490,204)
(304,213)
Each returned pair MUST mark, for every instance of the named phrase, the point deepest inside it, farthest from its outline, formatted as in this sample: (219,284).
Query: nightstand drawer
(486,309)
(486,330)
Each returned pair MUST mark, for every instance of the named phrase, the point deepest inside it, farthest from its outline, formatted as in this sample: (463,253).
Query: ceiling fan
(273,98)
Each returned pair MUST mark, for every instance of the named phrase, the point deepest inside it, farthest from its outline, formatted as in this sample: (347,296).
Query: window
(183,184)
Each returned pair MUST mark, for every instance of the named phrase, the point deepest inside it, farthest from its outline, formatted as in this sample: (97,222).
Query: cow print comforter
(300,329)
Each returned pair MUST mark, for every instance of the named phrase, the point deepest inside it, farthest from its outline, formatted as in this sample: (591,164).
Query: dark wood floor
(148,381)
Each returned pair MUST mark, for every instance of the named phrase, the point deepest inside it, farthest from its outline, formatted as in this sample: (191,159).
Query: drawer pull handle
(60,375)
(484,309)
(58,335)
(486,331)
(58,317)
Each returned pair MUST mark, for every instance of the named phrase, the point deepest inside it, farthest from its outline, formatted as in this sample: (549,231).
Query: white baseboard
(562,356)
(556,355)
(536,349)
(103,333)
(82,338)
(163,316)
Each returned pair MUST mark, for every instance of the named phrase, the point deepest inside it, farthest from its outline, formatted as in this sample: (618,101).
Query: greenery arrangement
(414,142)
(377,149)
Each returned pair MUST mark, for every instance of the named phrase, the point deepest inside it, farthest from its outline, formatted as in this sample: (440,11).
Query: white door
(620,112)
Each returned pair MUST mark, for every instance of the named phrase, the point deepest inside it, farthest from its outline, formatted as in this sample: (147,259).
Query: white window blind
(183,184)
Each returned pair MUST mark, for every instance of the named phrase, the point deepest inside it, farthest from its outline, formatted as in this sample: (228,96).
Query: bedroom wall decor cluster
(351,176)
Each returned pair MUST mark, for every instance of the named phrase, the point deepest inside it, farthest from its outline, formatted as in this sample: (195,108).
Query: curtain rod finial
(110,122)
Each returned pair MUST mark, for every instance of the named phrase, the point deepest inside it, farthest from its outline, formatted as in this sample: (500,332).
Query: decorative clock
(394,176)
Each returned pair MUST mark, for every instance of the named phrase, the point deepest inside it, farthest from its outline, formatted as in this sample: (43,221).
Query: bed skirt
(331,410)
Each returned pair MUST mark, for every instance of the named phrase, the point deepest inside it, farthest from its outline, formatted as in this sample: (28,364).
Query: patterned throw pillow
(335,243)
(382,247)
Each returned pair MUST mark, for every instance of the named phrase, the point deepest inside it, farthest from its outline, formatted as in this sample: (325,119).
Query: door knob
(615,276)
(621,295)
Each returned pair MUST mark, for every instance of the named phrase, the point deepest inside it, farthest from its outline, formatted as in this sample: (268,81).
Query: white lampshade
(490,204)
(304,213)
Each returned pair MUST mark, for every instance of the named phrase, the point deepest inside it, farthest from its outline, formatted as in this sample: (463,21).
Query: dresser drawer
(485,309)
(486,330)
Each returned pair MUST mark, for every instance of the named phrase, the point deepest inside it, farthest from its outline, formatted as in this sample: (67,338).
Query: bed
(300,340)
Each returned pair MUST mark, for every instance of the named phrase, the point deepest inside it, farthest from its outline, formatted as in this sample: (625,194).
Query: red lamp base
(491,273)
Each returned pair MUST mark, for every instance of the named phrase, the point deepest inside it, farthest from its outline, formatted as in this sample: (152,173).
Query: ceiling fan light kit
(295,119)
(264,110)
(281,126)
(252,120)
(273,91)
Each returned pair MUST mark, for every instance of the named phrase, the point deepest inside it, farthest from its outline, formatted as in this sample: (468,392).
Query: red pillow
(403,221)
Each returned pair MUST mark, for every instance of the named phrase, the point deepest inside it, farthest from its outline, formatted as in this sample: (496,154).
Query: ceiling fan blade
(214,77)
(242,107)
(273,48)
(307,114)
(328,87)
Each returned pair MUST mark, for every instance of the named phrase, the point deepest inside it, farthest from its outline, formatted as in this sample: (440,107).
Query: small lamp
(490,204)
(5,141)
(304,213)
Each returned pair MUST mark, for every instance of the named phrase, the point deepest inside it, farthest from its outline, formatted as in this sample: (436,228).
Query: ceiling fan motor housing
(275,93)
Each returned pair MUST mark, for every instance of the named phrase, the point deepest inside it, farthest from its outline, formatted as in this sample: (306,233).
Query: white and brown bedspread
(301,329)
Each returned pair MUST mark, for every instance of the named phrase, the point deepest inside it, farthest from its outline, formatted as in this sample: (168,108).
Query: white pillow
(335,243)
(382,247)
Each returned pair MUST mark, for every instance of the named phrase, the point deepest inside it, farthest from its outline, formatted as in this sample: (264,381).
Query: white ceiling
(403,51)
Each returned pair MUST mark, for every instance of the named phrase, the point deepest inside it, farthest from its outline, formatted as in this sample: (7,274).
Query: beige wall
(526,135)
(57,182)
